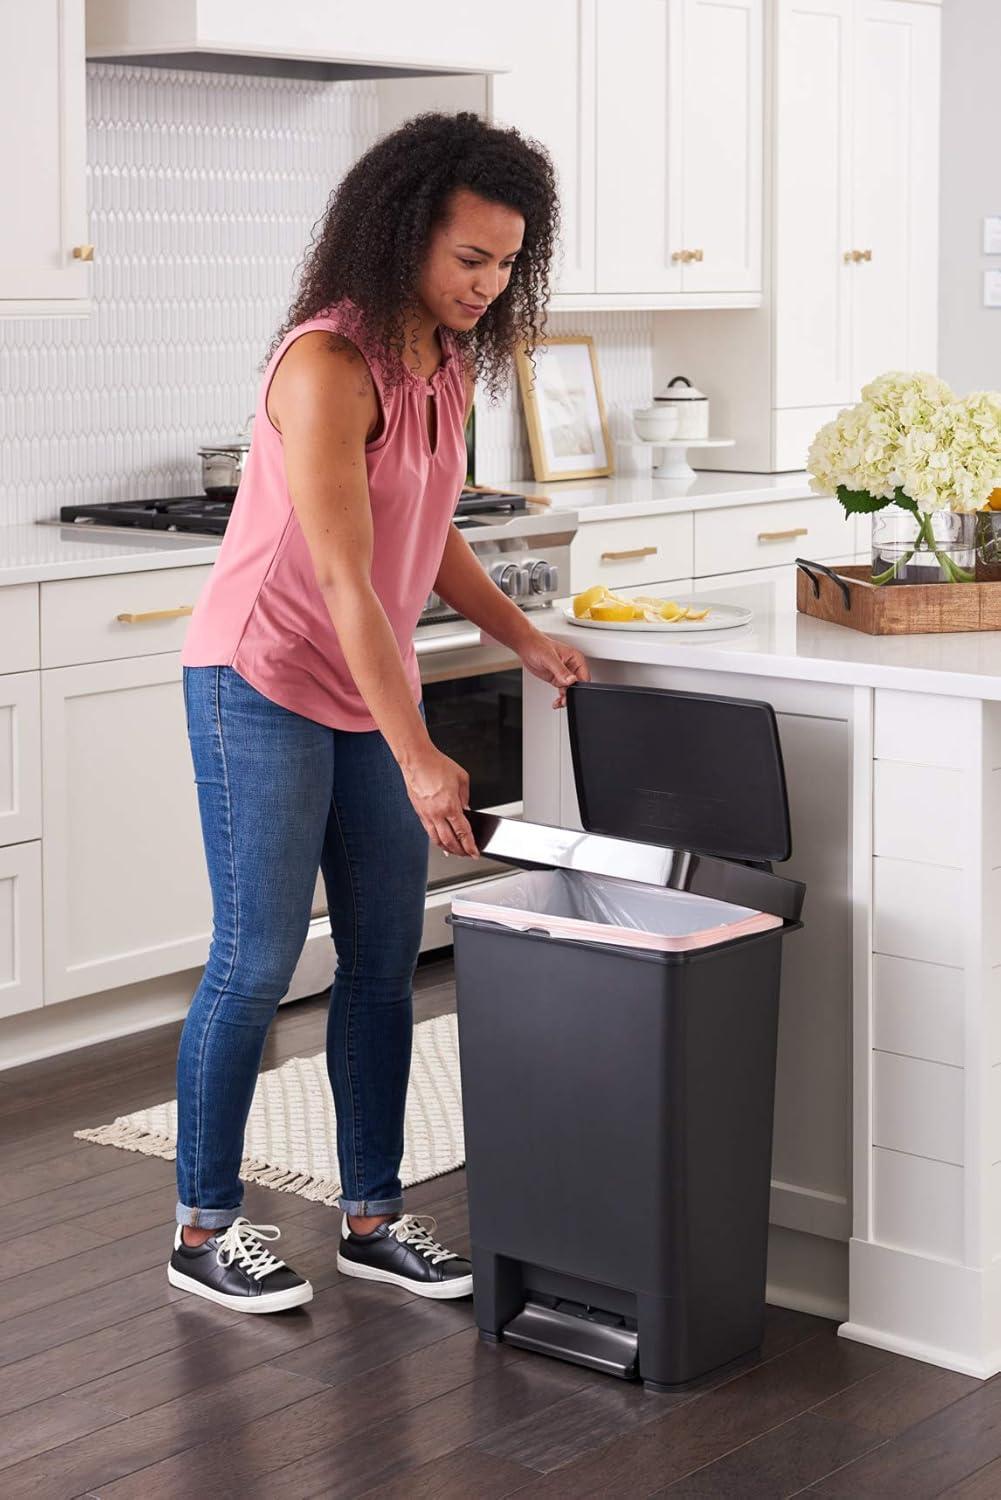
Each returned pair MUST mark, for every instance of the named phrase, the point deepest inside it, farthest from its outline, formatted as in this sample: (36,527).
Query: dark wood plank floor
(113,1384)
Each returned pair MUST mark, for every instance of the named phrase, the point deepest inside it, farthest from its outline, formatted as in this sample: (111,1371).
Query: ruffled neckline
(447,355)
(355,320)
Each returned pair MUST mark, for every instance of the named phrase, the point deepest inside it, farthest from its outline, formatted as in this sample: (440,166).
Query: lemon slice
(696,614)
(582,602)
(615,611)
(671,611)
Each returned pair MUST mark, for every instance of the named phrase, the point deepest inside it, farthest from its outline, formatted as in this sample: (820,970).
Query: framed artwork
(564,409)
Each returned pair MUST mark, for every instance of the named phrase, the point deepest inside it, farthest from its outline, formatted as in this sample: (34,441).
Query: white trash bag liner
(605,909)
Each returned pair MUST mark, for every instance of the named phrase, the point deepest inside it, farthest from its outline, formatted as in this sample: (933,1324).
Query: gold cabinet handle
(156,614)
(83,252)
(633,552)
(783,536)
(696,255)
(679,255)
(854,255)
(865,255)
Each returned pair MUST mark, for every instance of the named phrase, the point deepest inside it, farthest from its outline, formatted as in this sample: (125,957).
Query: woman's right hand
(438,788)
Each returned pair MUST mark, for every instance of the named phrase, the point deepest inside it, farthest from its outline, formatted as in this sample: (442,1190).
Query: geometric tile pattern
(203,190)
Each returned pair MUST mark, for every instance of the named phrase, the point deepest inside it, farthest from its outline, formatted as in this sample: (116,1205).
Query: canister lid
(688,771)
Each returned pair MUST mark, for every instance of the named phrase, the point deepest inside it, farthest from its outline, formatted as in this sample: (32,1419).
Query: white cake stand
(674,455)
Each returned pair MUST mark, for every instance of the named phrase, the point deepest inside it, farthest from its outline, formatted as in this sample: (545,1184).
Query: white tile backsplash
(203,191)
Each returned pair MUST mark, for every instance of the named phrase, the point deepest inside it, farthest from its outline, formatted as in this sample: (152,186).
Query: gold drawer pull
(156,614)
(83,252)
(633,552)
(783,536)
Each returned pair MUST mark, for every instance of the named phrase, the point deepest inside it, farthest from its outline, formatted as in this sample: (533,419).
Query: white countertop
(780,642)
(32,554)
(646,495)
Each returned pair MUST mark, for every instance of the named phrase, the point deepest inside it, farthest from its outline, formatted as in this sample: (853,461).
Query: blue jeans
(280,797)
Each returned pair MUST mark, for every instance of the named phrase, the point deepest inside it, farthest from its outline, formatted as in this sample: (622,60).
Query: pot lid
(234,445)
(685,391)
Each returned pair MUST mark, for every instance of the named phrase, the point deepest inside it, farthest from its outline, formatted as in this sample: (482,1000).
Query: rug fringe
(130,1138)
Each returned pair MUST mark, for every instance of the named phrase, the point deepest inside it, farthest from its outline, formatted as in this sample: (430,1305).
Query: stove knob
(509,578)
(544,578)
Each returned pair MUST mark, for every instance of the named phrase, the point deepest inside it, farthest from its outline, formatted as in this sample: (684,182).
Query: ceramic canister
(692,406)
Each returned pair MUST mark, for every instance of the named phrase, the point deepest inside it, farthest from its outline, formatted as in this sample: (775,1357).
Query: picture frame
(565,409)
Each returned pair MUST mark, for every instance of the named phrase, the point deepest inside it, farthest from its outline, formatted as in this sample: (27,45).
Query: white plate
(720,617)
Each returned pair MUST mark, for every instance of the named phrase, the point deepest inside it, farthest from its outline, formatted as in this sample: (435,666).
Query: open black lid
(685,770)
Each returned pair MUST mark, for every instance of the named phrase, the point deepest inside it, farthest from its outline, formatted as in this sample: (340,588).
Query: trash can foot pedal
(575,1337)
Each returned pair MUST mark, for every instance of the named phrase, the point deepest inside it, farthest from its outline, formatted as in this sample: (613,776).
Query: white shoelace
(410,1230)
(242,1241)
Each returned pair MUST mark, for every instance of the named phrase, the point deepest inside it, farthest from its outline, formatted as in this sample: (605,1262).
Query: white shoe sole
(269,1302)
(460,1287)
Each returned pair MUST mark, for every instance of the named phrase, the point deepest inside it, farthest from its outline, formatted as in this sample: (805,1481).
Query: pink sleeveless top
(261,611)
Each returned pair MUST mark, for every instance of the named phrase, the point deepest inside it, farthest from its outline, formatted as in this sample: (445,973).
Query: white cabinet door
(717,109)
(895,114)
(639,73)
(20,928)
(20,759)
(812,280)
(126,893)
(549,94)
(42,164)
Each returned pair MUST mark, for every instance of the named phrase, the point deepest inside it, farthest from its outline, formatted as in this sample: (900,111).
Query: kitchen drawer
(20,758)
(634,550)
(19,628)
(80,616)
(740,537)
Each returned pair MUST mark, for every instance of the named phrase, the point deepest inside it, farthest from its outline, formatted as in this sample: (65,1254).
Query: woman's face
(469,259)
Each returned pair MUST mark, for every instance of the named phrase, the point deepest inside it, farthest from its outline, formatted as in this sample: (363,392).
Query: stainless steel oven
(472,685)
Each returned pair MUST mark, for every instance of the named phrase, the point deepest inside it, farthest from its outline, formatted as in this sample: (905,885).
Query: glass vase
(936,548)
(988,523)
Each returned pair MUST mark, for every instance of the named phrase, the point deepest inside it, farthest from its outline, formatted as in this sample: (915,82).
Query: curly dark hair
(370,244)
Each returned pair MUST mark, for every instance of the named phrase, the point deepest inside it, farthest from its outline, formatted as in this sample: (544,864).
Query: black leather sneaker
(403,1253)
(234,1268)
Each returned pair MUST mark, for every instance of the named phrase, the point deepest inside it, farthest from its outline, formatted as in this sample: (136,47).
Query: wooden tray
(845,596)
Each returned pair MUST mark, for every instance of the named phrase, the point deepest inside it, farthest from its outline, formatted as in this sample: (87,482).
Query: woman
(301,685)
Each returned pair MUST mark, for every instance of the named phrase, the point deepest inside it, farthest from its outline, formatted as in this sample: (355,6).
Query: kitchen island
(886,1190)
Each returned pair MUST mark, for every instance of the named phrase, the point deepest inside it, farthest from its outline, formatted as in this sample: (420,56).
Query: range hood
(322,39)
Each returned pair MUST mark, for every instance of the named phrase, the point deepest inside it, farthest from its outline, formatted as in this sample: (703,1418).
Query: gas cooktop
(207,516)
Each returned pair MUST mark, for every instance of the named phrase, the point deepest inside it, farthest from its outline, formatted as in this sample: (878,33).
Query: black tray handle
(807,568)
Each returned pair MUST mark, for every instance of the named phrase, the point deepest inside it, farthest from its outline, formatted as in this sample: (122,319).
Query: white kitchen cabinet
(679,146)
(895,171)
(126,893)
(813,219)
(852,231)
(44,250)
(856,201)
(308,39)
(549,94)
(20,759)
(20,928)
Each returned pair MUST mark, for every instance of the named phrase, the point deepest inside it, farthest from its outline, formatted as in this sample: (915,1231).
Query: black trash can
(618,1003)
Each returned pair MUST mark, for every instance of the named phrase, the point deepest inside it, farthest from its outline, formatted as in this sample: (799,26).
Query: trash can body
(618,1116)
(617,1048)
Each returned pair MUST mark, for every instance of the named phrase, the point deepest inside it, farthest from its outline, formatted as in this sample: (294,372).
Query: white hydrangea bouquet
(911,442)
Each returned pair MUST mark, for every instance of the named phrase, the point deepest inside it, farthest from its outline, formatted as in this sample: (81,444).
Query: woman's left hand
(554,662)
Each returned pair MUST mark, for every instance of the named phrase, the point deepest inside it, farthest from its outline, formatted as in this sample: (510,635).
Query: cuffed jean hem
(206,1218)
(367,1208)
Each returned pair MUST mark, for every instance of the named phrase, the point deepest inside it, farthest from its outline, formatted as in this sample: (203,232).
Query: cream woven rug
(291,1138)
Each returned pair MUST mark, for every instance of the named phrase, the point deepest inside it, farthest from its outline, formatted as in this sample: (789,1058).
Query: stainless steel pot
(222,464)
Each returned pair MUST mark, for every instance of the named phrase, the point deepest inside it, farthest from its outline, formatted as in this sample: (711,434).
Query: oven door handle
(460,641)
